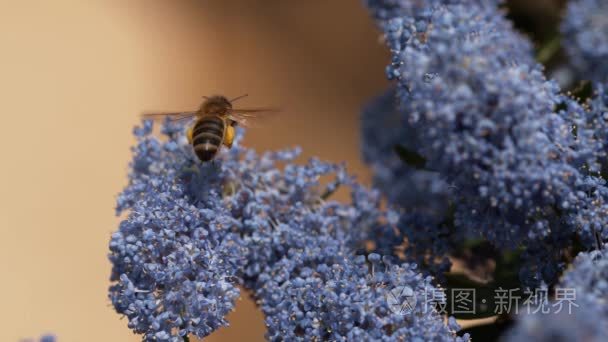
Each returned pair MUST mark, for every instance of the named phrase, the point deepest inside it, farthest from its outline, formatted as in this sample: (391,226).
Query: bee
(214,124)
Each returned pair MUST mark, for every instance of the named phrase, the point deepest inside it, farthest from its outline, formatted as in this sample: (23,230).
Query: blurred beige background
(75,74)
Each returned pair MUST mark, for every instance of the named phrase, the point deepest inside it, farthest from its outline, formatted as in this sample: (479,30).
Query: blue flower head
(585,31)
(478,110)
(588,275)
(43,338)
(562,326)
(196,232)
(323,294)
(588,280)
(175,257)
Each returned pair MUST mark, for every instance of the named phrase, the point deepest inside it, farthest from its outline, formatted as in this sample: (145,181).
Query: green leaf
(448,220)
(410,157)
(472,243)
(507,269)
(583,91)
(549,50)
(484,297)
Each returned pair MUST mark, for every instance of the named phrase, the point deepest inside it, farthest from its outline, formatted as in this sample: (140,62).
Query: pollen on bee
(189,133)
(229,137)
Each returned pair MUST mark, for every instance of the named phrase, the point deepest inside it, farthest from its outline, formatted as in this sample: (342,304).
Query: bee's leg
(229,188)
(229,136)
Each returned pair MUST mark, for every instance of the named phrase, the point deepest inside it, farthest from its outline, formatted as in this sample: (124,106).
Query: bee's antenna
(206,97)
(239,97)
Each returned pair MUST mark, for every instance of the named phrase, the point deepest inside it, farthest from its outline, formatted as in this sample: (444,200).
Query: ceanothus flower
(196,231)
(597,117)
(175,257)
(483,116)
(562,326)
(486,10)
(588,275)
(588,279)
(388,9)
(585,32)
(320,293)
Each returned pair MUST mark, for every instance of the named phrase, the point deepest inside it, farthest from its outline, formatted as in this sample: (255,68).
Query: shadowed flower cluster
(196,232)
(423,194)
(521,162)
(585,31)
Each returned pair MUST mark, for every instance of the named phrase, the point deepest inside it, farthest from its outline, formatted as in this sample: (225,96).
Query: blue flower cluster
(385,10)
(472,142)
(322,294)
(175,257)
(588,278)
(43,338)
(197,232)
(585,32)
(597,117)
(470,101)
(588,275)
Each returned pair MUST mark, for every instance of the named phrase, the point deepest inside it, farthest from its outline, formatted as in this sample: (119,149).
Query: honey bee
(215,124)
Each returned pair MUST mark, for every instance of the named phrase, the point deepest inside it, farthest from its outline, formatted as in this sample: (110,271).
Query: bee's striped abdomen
(207,137)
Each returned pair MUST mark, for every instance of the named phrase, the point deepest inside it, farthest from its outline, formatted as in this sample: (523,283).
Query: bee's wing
(244,116)
(171,116)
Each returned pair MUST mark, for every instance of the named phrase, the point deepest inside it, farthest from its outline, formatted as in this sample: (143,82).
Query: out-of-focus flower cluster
(197,232)
(585,31)
(587,319)
(588,274)
(43,338)
(517,162)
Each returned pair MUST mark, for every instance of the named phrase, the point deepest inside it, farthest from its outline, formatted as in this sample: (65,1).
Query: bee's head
(216,105)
